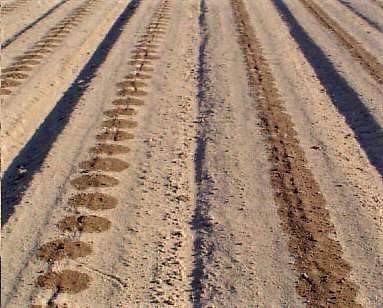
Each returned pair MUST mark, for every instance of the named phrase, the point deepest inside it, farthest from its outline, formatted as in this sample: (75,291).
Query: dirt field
(195,153)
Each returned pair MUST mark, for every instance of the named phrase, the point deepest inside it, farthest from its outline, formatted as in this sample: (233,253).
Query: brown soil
(117,123)
(131,83)
(137,76)
(29,57)
(5,91)
(104,164)
(93,201)
(60,249)
(83,223)
(324,274)
(67,281)
(15,75)
(128,101)
(120,111)
(139,61)
(115,135)
(146,69)
(133,92)
(6,83)
(38,51)
(109,149)
(94,180)
(368,61)
(19,68)
(26,62)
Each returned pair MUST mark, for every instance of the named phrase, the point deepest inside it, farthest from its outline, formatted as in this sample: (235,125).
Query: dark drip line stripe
(201,225)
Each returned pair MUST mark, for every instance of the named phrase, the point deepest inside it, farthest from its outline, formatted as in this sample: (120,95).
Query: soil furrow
(367,19)
(14,182)
(34,55)
(359,118)
(187,154)
(8,41)
(361,55)
(323,273)
(94,178)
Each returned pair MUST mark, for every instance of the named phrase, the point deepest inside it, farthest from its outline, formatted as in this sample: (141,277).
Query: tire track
(367,60)
(15,182)
(323,273)
(92,176)
(372,23)
(39,50)
(8,41)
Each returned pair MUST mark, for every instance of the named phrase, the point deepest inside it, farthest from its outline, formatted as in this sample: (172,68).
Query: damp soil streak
(201,224)
(323,273)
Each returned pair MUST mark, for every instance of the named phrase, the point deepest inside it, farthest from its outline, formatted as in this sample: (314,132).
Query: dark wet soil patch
(133,92)
(128,101)
(89,224)
(109,149)
(93,201)
(137,76)
(6,83)
(115,135)
(29,57)
(93,180)
(15,75)
(18,68)
(38,51)
(118,123)
(104,164)
(5,91)
(120,112)
(60,249)
(67,281)
(131,83)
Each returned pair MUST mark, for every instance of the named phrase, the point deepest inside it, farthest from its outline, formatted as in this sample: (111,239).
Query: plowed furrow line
(323,273)
(8,41)
(15,183)
(7,8)
(359,118)
(13,75)
(372,23)
(366,59)
(94,174)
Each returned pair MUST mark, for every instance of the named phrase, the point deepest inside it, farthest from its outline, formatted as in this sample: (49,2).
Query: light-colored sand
(16,20)
(196,221)
(24,110)
(369,37)
(352,188)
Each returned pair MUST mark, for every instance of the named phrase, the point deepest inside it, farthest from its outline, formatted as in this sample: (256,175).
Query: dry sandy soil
(195,153)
